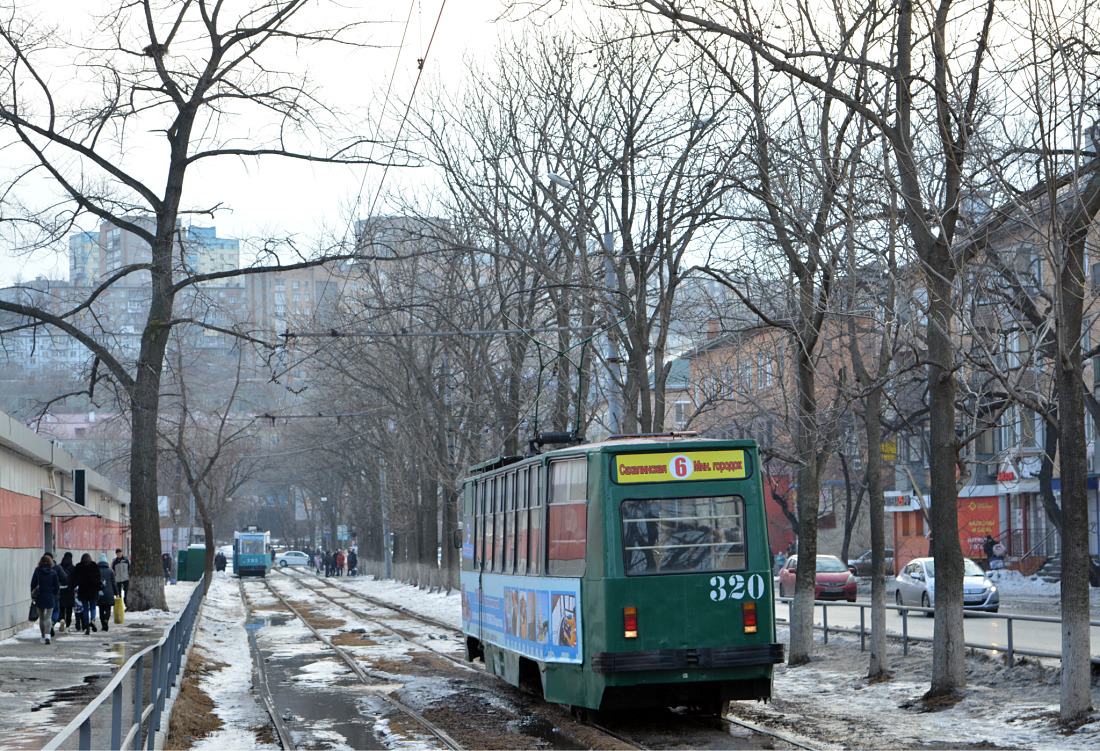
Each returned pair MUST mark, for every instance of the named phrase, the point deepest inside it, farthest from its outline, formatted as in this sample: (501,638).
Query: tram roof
(630,442)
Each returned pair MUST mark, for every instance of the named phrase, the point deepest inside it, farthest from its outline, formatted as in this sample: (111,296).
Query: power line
(334,334)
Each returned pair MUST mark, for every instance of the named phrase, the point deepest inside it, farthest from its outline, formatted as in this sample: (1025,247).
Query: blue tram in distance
(251,552)
(629,573)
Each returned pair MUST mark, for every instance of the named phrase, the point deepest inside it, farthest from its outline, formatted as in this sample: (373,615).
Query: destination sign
(686,465)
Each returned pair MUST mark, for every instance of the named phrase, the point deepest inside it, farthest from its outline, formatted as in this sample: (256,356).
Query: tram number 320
(736,586)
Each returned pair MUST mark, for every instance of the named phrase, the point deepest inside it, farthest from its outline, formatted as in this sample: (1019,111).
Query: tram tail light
(630,623)
(748,613)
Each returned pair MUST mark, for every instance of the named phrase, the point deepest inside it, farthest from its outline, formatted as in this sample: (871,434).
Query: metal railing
(148,708)
(1010,649)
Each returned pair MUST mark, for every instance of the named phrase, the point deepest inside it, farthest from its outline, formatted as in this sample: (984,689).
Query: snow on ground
(829,702)
(223,638)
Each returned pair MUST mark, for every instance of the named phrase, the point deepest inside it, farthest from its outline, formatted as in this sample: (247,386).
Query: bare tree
(216,449)
(204,78)
(905,53)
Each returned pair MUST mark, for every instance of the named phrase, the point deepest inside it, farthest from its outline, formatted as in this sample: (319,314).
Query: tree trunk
(879,664)
(1076,667)
(948,656)
(147,577)
(802,607)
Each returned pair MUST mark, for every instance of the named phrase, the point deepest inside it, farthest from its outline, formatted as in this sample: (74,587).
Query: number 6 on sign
(681,467)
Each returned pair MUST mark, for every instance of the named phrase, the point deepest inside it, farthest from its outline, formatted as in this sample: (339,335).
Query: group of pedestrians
(336,562)
(60,591)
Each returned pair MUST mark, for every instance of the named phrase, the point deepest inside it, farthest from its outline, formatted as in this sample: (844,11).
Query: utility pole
(614,403)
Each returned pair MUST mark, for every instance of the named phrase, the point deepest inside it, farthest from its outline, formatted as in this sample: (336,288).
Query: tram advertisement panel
(684,465)
(538,618)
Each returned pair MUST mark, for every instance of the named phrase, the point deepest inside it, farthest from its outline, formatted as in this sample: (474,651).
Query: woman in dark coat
(87,582)
(109,591)
(45,588)
(68,594)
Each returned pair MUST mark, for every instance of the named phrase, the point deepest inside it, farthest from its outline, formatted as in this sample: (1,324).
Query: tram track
(404,612)
(620,736)
(461,663)
(441,735)
(259,679)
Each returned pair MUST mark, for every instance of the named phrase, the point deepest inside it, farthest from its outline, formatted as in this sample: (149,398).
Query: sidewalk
(44,686)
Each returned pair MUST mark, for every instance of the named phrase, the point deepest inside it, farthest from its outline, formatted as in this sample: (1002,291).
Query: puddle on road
(316,694)
(321,712)
(544,730)
(83,694)
(258,622)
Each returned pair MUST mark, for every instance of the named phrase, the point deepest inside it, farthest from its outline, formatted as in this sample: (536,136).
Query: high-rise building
(83,258)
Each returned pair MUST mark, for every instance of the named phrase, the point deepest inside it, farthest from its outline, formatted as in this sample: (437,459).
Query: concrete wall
(16,568)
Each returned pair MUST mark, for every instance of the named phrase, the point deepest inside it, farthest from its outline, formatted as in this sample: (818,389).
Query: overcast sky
(305,199)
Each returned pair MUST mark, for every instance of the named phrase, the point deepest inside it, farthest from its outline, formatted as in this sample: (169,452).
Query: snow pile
(831,703)
(222,638)
(1011,582)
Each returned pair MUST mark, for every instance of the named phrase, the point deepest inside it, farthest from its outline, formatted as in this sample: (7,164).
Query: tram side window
(522,484)
(498,524)
(479,532)
(537,517)
(509,522)
(676,535)
(467,524)
(567,517)
(490,521)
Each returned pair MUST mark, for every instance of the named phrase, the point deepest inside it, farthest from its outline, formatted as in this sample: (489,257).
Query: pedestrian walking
(353,564)
(107,592)
(64,581)
(87,582)
(328,564)
(166,563)
(317,561)
(45,589)
(120,566)
(219,561)
(68,594)
(340,562)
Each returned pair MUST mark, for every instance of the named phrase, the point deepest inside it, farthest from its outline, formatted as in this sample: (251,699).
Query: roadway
(982,630)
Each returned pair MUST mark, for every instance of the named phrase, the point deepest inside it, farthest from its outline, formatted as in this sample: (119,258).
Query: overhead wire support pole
(614,404)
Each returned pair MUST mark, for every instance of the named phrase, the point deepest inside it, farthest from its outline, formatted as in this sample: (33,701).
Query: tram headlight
(748,615)
(630,623)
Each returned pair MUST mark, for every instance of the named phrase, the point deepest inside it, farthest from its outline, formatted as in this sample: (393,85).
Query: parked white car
(916,587)
(292,558)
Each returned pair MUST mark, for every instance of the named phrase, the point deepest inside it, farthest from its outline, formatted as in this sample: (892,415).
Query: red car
(834,580)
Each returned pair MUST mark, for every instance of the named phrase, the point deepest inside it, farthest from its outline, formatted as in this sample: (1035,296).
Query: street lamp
(614,402)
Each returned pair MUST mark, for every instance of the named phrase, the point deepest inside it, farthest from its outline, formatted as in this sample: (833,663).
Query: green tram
(633,572)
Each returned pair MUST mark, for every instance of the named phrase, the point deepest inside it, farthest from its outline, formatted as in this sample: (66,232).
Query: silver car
(916,587)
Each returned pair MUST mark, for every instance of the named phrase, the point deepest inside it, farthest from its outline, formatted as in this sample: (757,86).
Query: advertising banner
(538,618)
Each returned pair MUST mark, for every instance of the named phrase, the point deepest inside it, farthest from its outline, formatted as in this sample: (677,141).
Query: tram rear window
(679,535)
